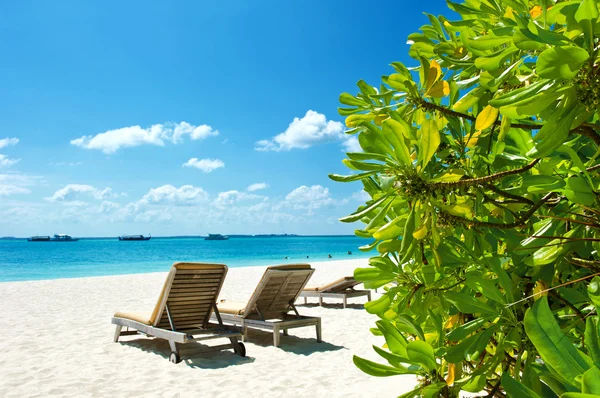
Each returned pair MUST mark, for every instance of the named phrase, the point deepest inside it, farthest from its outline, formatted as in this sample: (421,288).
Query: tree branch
(520,222)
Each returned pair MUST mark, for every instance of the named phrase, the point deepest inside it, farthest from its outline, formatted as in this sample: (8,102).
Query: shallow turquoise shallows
(21,260)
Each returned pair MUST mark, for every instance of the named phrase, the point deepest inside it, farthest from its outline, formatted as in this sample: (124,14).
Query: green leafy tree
(481,161)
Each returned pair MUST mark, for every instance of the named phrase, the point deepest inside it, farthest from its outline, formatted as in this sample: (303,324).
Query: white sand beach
(57,340)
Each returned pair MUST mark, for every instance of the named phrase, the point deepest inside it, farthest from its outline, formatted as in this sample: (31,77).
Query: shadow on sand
(191,353)
(333,306)
(290,343)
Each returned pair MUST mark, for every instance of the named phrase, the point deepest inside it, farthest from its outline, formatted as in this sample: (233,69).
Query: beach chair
(269,306)
(341,289)
(183,310)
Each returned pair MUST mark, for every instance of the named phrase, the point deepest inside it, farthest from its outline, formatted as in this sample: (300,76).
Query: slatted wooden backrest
(339,285)
(190,291)
(279,286)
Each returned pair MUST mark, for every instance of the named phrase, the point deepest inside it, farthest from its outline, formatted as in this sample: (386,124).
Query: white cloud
(5,161)
(4,142)
(206,165)
(15,183)
(310,198)
(232,197)
(10,189)
(112,140)
(312,129)
(73,192)
(306,194)
(351,144)
(186,195)
(257,186)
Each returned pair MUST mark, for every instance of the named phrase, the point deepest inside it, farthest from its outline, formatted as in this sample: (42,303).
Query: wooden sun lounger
(270,305)
(183,310)
(341,288)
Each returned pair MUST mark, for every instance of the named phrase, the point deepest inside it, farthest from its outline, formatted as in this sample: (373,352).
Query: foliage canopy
(481,161)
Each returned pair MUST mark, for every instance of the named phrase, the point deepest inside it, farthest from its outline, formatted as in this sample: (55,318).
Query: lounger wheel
(174,357)
(240,349)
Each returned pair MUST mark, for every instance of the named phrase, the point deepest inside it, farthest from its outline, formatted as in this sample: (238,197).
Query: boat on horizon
(38,239)
(63,238)
(55,238)
(216,237)
(135,237)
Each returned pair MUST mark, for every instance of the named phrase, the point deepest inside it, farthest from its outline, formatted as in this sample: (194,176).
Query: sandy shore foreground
(57,340)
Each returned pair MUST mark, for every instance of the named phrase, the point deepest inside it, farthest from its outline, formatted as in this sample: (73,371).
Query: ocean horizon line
(243,236)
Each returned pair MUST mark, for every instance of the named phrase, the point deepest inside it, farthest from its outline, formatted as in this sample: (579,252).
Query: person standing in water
(329,255)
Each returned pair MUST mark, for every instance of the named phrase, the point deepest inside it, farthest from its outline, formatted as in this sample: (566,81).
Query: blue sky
(185,117)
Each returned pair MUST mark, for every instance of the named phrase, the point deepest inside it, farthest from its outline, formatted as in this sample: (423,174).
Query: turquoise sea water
(21,260)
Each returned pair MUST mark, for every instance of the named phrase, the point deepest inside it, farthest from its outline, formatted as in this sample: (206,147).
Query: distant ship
(55,238)
(39,239)
(63,238)
(135,237)
(216,237)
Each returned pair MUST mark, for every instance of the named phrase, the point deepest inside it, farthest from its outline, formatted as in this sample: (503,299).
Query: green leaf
(353,177)
(432,390)
(471,347)
(536,183)
(466,329)
(380,217)
(503,279)
(488,42)
(578,191)
(476,384)
(421,352)
(592,339)
(429,142)
(393,359)
(365,166)
(395,341)
(378,306)
(514,389)
(468,304)
(390,230)
(407,246)
(553,346)
(416,329)
(555,131)
(349,99)
(485,287)
(396,134)
(376,369)
(591,381)
(468,100)
(521,94)
(373,277)
(363,212)
(495,61)
(593,290)
(587,16)
(578,395)
(561,62)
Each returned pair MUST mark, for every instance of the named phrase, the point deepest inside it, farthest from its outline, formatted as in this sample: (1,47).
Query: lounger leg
(285,332)
(345,299)
(369,295)
(276,335)
(173,346)
(244,332)
(305,300)
(318,326)
(117,333)
(320,300)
